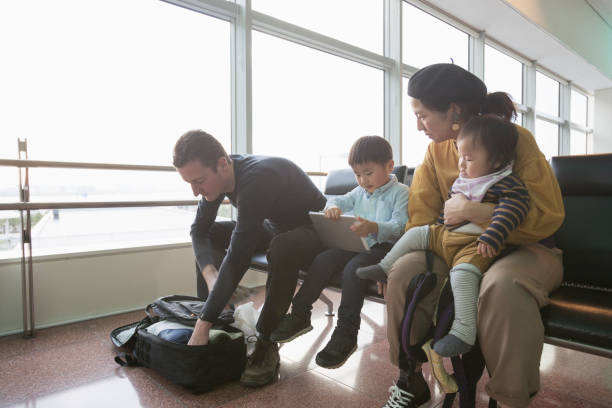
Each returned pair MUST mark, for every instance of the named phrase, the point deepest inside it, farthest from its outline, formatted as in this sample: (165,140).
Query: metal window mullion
(529,96)
(444,16)
(476,54)
(393,76)
(282,29)
(222,9)
(580,128)
(493,43)
(520,108)
(550,118)
(551,75)
(590,120)
(241,79)
(564,113)
(408,70)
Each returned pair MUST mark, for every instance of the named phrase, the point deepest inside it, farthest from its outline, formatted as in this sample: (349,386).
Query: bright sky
(118,81)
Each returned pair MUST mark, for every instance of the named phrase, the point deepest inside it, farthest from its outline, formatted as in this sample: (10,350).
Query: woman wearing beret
(510,330)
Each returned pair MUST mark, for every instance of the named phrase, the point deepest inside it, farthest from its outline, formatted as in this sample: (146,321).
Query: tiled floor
(73,366)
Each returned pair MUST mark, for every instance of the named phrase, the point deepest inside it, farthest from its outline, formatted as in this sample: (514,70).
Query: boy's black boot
(290,327)
(338,350)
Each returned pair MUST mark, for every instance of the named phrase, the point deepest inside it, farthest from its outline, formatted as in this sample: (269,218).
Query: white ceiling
(603,8)
(504,24)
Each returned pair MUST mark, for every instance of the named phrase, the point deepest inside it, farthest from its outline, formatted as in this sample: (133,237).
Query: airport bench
(579,315)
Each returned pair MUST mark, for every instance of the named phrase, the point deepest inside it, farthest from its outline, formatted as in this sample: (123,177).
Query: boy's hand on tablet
(364,227)
(333,213)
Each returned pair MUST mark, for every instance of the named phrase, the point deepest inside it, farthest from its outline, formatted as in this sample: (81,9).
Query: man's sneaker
(337,351)
(415,395)
(289,328)
(262,365)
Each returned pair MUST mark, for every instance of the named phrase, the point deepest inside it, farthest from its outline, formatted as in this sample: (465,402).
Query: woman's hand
(454,209)
(458,209)
(364,227)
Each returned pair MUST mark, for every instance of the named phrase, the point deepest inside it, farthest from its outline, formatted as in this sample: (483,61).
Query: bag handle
(149,310)
(126,359)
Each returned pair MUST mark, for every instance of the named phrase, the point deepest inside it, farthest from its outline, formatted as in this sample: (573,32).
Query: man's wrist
(202,324)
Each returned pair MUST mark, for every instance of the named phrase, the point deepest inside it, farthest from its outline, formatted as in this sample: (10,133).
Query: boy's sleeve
(344,202)
(391,230)
(508,214)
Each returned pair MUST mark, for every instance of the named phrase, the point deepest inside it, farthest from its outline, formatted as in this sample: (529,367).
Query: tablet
(337,233)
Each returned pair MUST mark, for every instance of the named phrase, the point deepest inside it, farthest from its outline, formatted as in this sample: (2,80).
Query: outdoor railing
(24,205)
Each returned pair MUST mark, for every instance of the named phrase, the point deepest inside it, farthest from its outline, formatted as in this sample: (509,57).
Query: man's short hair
(198,145)
(372,149)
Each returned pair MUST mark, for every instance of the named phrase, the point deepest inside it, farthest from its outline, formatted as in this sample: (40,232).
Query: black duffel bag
(197,368)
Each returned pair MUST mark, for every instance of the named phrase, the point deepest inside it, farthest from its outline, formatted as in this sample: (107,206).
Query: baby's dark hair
(373,149)
(495,134)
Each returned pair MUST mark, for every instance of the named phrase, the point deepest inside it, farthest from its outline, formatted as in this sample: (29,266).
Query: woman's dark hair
(198,145)
(495,134)
(374,149)
(439,85)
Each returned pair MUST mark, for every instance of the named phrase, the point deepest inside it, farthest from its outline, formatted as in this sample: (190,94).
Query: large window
(108,81)
(547,102)
(578,142)
(427,40)
(547,137)
(578,108)
(357,22)
(118,81)
(547,95)
(503,73)
(578,115)
(414,142)
(309,106)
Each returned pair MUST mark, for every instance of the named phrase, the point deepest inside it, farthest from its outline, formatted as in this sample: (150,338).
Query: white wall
(602,137)
(575,24)
(85,286)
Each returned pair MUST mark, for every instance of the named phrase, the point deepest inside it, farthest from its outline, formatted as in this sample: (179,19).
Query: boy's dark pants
(323,267)
(287,253)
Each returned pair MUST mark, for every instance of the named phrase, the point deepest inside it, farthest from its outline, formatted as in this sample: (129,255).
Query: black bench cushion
(581,310)
(586,233)
(580,315)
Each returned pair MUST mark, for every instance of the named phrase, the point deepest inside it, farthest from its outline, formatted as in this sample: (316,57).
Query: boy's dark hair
(198,145)
(373,149)
(495,134)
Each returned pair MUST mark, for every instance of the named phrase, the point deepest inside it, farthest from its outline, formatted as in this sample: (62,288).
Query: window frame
(243,20)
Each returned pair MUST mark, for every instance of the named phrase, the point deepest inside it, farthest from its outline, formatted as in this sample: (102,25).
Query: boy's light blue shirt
(387,206)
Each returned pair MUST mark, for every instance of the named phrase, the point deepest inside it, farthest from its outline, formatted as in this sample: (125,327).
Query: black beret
(438,85)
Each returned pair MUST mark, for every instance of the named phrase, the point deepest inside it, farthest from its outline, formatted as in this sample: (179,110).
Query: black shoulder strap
(126,359)
(429,260)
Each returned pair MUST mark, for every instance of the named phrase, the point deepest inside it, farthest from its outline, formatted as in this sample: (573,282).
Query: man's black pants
(287,253)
